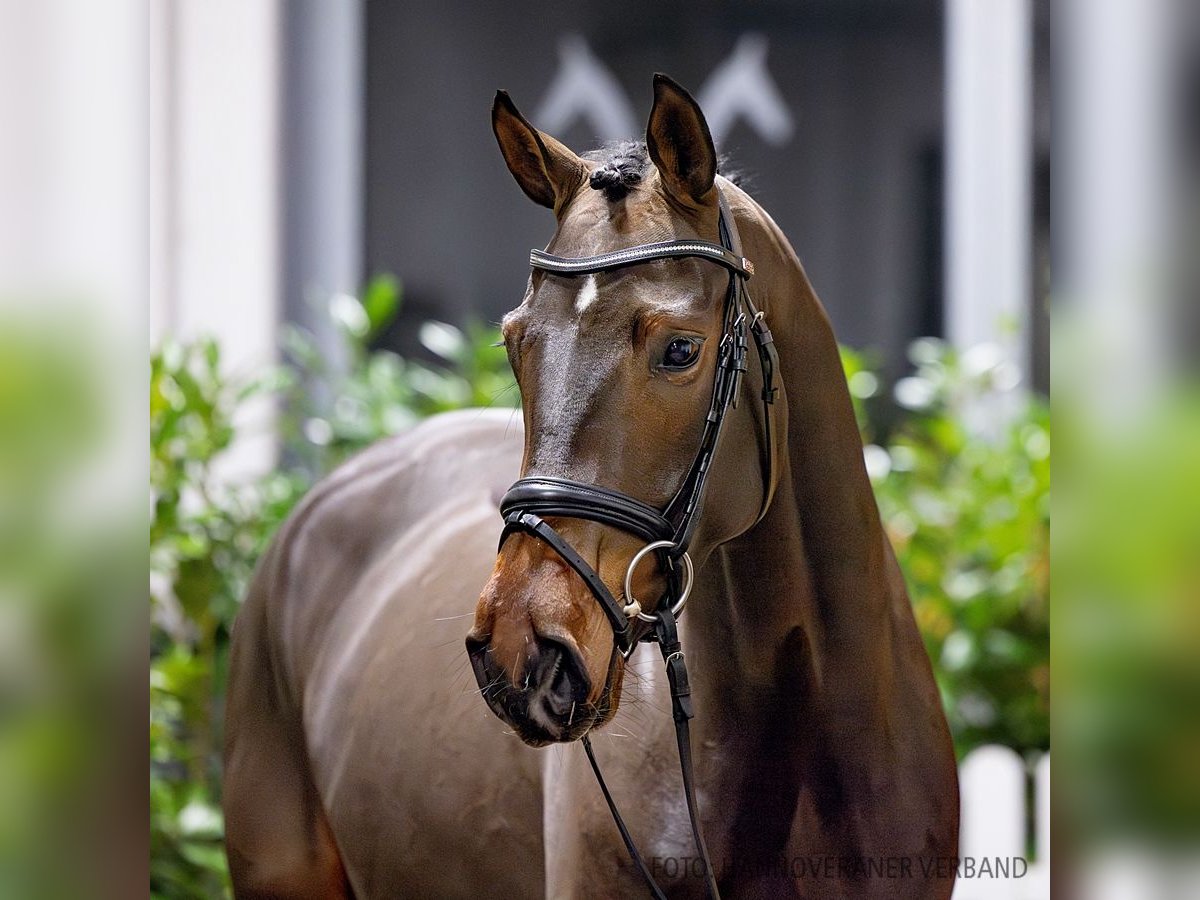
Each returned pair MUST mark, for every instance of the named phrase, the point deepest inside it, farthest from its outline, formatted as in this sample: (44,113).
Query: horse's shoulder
(361,509)
(382,495)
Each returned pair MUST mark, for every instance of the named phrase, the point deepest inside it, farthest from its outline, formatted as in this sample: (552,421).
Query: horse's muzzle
(545,698)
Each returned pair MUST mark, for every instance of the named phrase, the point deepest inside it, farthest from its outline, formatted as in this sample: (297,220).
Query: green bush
(963,484)
(208,530)
(377,392)
(69,576)
(205,536)
(966,507)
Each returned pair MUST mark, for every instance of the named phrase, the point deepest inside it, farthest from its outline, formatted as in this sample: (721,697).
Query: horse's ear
(680,143)
(545,169)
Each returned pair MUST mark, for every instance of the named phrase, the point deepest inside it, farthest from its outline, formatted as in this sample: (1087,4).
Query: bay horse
(361,761)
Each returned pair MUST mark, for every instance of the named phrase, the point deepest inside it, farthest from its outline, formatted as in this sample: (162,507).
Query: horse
(361,759)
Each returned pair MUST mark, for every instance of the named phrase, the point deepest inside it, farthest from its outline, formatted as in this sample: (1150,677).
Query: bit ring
(634,606)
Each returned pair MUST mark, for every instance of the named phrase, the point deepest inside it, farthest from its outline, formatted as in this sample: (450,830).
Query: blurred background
(305,198)
(355,140)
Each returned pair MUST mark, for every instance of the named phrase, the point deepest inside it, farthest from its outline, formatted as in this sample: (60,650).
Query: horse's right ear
(545,169)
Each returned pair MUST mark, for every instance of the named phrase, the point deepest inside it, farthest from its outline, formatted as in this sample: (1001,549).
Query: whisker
(496,395)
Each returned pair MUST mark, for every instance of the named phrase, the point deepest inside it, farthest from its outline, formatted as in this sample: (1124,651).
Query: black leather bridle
(667,532)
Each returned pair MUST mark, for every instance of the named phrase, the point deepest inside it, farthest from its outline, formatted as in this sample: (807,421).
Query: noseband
(668,531)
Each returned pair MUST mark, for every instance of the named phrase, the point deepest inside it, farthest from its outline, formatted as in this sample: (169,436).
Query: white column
(72,139)
(989,174)
(323,113)
(215,170)
(73,224)
(1113,170)
(226,175)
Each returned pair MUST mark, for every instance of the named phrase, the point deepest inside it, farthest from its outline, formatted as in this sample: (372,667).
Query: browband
(618,259)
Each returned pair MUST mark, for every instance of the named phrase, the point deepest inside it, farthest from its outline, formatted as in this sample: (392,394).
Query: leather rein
(667,532)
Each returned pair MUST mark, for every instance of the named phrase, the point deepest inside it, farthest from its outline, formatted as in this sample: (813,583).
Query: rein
(667,532)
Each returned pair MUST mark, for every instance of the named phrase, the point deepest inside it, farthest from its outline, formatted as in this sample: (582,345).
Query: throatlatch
(667,532)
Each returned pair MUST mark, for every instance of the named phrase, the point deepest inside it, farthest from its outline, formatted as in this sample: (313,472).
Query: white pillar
(214,100)
(72,158)
(323,127)
(989,174)
(1114,167)
(73,223)
(225,175)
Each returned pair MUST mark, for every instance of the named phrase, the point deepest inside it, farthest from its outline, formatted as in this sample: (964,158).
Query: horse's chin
(540,735)
(545,739)
(536,735)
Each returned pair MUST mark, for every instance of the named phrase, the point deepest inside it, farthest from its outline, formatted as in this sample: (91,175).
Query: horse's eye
(681,353)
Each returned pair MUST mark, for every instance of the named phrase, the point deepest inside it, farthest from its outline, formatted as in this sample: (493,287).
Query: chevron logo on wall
(740,87)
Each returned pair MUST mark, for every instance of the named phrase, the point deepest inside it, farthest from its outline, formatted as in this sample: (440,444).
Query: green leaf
(381,300)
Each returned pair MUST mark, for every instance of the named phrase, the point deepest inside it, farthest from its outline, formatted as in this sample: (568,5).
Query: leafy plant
(963,484)
(205,535)
(376,392)
(208,528)
(67,578)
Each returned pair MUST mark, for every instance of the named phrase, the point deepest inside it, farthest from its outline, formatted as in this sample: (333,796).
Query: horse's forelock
(624,164)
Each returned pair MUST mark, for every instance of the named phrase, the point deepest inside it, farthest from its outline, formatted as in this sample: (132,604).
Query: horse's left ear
(680,144)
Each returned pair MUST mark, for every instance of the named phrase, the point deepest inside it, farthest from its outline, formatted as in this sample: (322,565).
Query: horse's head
(616,372)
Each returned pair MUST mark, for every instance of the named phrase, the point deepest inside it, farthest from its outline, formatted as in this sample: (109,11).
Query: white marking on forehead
(587,294)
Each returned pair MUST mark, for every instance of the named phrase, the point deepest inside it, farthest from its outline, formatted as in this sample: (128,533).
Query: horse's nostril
(544,698)
(476,646)
(563,681)
(484,667)
(561,685)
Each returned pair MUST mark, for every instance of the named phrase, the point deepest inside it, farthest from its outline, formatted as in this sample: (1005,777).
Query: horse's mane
(622,164)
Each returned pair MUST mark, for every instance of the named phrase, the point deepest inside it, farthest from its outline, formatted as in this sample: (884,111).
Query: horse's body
(362,761)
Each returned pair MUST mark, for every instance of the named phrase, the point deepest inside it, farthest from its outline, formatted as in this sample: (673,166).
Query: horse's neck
(778,617)
(817,713)
(798,621)
(819,560)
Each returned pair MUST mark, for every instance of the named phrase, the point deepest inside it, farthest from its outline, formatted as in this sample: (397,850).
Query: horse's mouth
(538,714)
(539,731)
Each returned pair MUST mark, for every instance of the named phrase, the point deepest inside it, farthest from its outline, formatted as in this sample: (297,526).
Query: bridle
(667,532)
